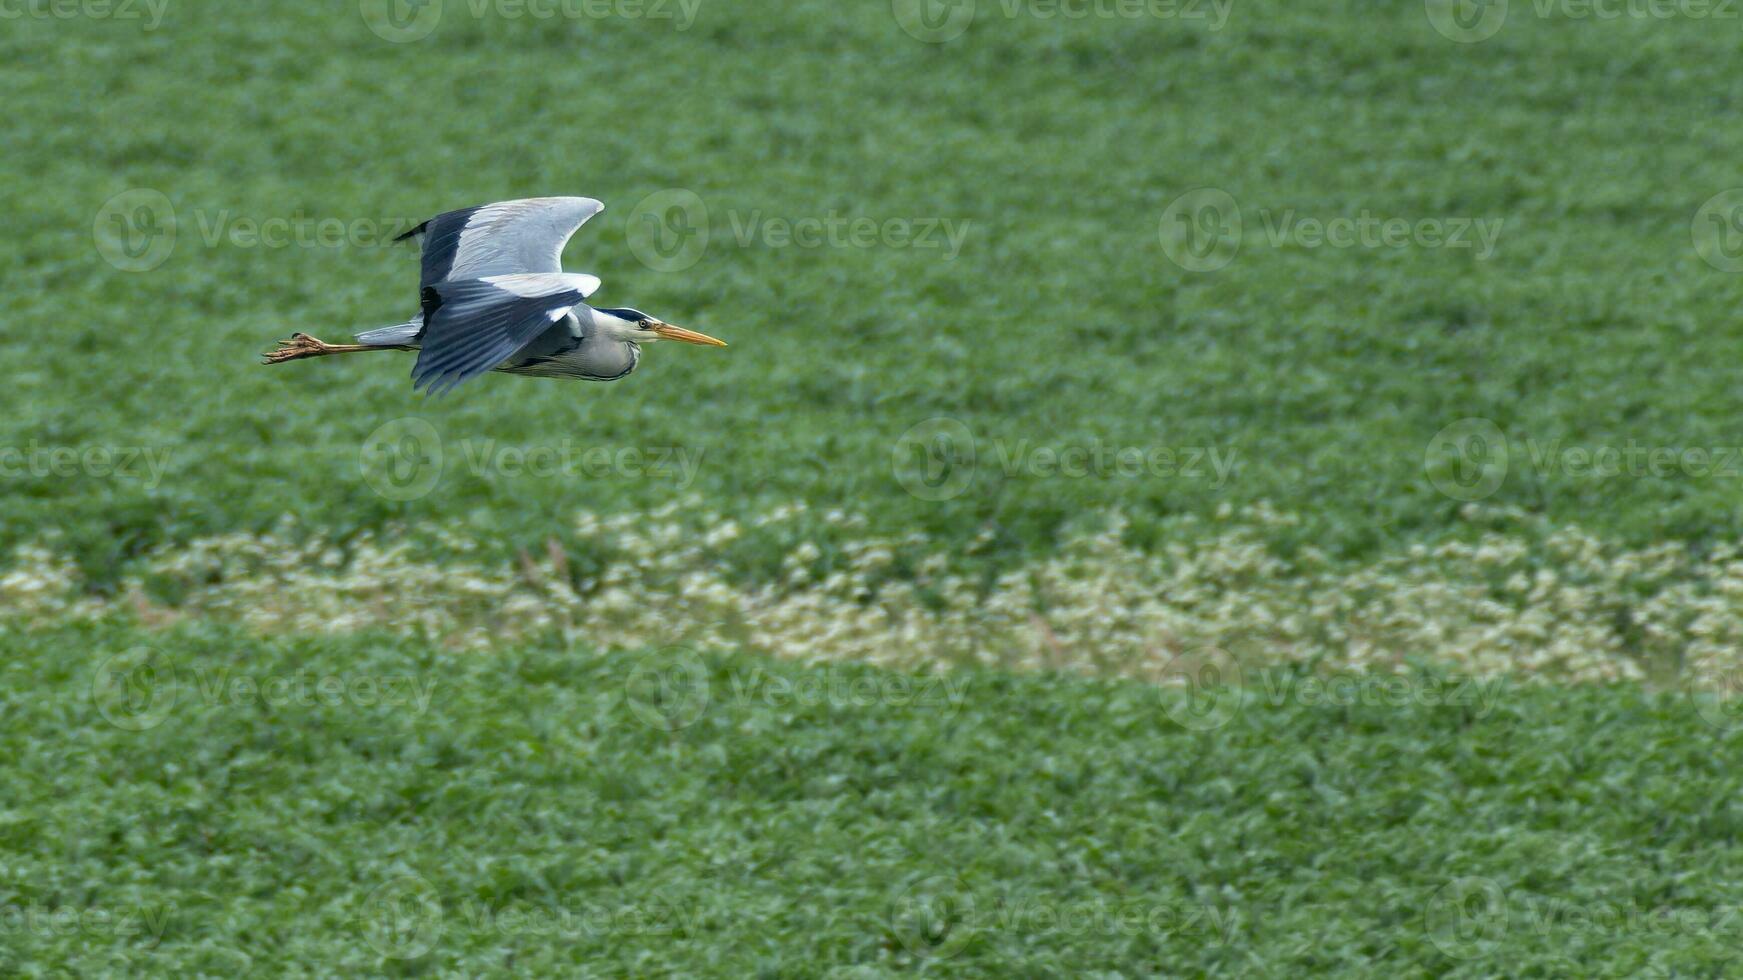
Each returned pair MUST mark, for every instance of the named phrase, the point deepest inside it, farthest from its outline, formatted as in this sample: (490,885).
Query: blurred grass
(239,804)
(1059,142)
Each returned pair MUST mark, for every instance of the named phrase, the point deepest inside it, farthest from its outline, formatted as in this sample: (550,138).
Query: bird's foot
(300,345)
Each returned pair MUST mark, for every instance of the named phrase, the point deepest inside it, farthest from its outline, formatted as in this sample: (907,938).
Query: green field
(374,806)
(1294,340)
(1058,144)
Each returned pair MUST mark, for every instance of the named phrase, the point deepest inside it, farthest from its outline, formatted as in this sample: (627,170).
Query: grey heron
(494,297)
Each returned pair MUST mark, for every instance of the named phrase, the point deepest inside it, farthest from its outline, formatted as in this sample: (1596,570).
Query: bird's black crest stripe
(625,313)
(415,232)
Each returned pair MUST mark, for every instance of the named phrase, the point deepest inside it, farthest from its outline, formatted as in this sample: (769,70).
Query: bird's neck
(606,351)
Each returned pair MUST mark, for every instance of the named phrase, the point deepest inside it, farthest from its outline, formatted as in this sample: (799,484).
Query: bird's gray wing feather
(474,325)
(508,238)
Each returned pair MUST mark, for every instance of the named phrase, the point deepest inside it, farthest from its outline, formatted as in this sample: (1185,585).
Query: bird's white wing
(474,325)
(509,238)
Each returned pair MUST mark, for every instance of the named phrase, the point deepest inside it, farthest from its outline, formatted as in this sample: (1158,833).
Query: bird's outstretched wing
(473,325)
(510,238)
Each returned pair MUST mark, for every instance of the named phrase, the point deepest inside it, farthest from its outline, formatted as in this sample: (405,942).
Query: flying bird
(494,297)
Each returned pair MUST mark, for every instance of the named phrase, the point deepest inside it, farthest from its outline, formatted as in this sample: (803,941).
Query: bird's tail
(398,335)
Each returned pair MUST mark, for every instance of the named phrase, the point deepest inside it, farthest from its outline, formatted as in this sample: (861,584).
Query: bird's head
(637,327)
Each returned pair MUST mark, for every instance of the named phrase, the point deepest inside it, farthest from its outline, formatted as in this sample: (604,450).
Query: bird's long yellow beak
(669,332)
